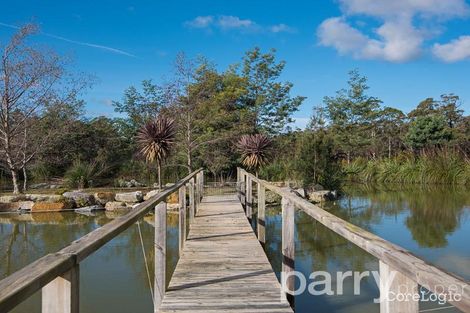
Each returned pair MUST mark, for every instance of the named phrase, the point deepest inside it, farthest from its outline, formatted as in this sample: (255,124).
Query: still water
(433,223)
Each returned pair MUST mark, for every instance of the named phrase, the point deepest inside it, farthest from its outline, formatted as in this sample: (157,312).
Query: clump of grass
(81,174)
(440,167)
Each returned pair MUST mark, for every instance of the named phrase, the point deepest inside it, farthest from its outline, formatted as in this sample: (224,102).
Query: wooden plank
(288,249)
(22,284)
(62,294)
(160,255)
(182,217)
(261,214)
(394,285)
(223,267)
(428,276)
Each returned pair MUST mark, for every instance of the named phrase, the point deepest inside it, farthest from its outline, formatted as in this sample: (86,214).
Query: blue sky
(409,49)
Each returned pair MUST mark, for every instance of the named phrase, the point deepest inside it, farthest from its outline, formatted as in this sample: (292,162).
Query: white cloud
(200,22)
(388,8)
(398,41)
(398,38)
(456,50)
(229,22)
(282,28)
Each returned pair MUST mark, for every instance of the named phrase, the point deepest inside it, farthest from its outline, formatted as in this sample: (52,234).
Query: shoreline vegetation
(222,117)
(439,168)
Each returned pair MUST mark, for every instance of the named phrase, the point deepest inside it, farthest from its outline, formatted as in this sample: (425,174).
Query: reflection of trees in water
(26,238)
(434,211)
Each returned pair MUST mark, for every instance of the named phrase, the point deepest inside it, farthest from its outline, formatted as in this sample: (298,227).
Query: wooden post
(261,214)
(288,249)
(182,217)
(62,294)
(249,197)
(192,208)
(394,285)
(237,186)
(202,184)
(160,254)
(243,190)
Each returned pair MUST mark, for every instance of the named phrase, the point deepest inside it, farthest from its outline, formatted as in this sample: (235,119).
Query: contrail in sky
(87,44)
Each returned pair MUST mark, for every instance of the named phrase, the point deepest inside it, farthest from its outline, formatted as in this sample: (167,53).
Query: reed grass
(439,167)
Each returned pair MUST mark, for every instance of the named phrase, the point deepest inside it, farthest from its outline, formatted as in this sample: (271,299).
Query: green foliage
(439,167)
(427,131)
(82,174)
(267,99)
(317,162)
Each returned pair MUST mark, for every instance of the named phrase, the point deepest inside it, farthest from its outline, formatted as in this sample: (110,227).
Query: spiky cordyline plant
(255,150)
(155,140)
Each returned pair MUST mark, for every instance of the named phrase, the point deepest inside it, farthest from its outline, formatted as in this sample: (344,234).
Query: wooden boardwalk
(223,267)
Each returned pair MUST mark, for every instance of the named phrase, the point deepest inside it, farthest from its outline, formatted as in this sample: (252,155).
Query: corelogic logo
(391,286)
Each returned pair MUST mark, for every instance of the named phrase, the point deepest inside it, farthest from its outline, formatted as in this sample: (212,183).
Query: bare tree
(29,82)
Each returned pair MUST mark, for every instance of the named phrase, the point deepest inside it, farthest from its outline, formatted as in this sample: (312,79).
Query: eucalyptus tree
(267,98)
(31,78)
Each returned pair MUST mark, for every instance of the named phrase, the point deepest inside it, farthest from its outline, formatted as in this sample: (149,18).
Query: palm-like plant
(255,150)
(155,140)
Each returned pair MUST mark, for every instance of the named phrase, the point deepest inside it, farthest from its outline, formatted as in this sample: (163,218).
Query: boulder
(323,195)
(44,198)
(9,207)
(51,206)
(272,197)
(130,197)
(104,197)
(80,198)
(151,193)
(91,208)
(173,198)
(129,183)
(300,192)
(26,205)
(116,206)
(12,198)
(39,186)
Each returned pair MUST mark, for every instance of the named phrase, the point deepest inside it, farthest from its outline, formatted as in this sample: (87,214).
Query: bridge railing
(404,271)
(57,274)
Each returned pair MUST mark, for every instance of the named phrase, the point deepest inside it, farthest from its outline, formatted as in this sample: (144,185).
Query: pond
(431,222)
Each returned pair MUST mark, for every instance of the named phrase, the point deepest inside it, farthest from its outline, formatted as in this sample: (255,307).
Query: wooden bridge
(222,265)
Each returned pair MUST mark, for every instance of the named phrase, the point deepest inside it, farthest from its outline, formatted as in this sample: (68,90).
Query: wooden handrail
(17,287)
(397,258)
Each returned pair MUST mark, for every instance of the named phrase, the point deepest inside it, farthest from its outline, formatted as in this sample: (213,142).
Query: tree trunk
(389,147)
(159,166)
(14,180)
(25,179)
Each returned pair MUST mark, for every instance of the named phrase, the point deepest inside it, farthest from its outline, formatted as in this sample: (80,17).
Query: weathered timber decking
(223,267)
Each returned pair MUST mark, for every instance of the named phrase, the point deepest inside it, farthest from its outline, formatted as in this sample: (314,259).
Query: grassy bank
(435,168)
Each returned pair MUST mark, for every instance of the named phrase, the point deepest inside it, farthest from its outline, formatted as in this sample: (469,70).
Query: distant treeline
(352,135)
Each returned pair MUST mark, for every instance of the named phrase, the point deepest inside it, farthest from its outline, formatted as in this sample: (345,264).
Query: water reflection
(433,223)
(113,279)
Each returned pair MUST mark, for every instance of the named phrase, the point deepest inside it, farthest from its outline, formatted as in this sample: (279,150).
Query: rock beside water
(104,197)
(130,197)
(81,199)
(116,206)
